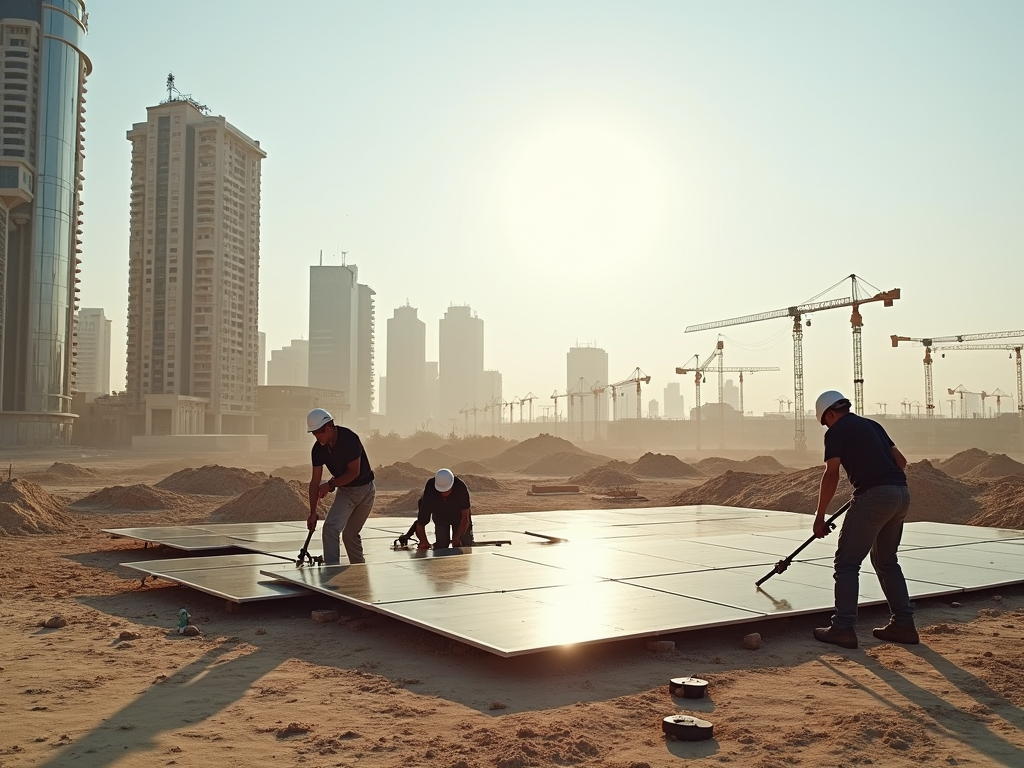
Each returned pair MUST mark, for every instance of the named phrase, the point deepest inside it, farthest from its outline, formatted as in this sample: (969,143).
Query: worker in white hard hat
(350,478)
(873,525)
(445,499)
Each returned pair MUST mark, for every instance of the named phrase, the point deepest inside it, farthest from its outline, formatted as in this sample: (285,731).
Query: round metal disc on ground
(688,687)
(687,728)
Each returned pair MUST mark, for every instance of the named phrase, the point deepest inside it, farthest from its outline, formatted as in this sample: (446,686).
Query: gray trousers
(873,525)
(345,519)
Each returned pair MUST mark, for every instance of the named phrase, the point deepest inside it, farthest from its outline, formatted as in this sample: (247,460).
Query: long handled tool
(304,557)
(782,565)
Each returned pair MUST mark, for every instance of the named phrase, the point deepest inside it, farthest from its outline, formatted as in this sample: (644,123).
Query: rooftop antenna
(344,254)
(173,95)
(321,257)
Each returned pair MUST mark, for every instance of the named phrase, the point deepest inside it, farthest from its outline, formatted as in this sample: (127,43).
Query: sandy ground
(266,685)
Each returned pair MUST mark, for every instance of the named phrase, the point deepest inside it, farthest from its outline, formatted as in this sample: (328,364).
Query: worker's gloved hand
(821,528)
(311,522)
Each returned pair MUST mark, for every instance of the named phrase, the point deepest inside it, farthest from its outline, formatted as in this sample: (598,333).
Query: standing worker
(874,522)
(446,499)
(340,450)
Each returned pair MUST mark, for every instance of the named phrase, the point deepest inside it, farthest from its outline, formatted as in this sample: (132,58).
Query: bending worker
(350,478)
(873,524)
(446,499)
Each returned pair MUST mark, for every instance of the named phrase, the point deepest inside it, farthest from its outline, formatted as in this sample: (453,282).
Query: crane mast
(856,298)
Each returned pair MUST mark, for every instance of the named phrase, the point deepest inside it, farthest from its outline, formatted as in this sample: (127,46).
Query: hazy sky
(606,172)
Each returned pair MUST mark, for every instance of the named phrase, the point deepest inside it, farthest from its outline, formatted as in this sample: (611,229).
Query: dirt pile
(274,500)
(27,509)
(793,492)
(399,476)
(1001,503)
(662,465)
(603,477)
(131,497)
(937,497)
(477,448)
(402,506)
(759,465)
(61,472)
(432,459)
(212,480)
(963,462)
(997,465)
(480,483)
(530,451)
(470,467)
(563,464)
(295,472)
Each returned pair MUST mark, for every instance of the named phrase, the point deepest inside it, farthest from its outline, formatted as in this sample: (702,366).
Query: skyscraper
(461,363)
(407,358)
(289,366)
(92,374)
(193,260)
(42,85)
(589,363)
(341,336)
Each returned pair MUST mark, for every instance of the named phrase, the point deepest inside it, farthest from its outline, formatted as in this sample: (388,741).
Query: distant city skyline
(613,171)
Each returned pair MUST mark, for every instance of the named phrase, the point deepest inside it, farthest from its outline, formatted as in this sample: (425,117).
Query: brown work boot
(844,638)
(897,633)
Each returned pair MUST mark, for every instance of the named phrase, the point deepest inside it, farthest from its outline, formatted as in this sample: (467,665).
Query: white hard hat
(317,418)
(825,401)
(444,480)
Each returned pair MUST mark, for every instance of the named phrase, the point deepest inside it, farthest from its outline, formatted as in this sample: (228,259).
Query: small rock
(997,598)
(496,705)
(55,622)
(261,631)
(661,646)
(955,604)
(191,631)
(988,654)
(126,635)
(325,617)
(752,641)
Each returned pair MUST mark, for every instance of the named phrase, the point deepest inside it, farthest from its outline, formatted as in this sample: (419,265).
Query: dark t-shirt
(444,510)
(865,451)
(347,448)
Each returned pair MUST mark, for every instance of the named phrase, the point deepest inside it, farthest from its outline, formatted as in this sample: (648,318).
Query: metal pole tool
(782,565)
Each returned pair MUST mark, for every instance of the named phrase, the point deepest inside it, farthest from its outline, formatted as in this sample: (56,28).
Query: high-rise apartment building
(261,371)
(461,363)
(341,337)
(675,408)
(42,81)
(92,372)
(289,366)
(194,257)
(589,363)
(406,374)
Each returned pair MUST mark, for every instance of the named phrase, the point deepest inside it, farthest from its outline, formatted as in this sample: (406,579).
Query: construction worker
(873,524)
(446,500)
(350,478)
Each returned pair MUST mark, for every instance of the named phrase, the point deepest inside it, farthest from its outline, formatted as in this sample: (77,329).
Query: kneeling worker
(446,499)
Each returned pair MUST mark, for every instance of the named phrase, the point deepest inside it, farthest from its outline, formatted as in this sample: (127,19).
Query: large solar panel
(616,574)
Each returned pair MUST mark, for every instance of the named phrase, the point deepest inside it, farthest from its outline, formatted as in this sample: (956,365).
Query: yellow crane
(930,344)
(637,377)
(857,297)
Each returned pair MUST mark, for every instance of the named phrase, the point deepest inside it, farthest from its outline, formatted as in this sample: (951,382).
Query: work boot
(897,633)
(844,638)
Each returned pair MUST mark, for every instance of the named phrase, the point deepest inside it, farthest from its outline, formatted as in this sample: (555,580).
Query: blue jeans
(874,524)
(345,519)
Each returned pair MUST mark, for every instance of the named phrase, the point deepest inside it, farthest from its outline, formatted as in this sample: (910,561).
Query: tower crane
(555,396)
(465,410)
(579,390)
(597,390)
(930,344)
(1014,347)
(637,377)
(856,298)
(699,370)
(961,390)
(511,404)
(530,397)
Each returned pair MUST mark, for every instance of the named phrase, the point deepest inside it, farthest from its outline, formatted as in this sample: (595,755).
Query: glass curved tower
(42,84)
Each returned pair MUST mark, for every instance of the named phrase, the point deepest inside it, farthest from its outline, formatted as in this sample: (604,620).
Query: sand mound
(403,505)
(212,480)
(476,448)
(274,500)
(480,483)
(138,496)
(997,465)
(962,462)
(759,465)
(432,459)
(27,509)
(1002,504)
(400,476)
(71,471)
(935,496)
(162,467)
(295,472)
(662,465)
(471,467)
(563,464)
(603,477)
(529,451)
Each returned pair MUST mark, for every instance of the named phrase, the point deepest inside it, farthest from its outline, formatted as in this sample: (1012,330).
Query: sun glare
(584,191)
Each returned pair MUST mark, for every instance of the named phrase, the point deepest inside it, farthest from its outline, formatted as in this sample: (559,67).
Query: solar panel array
(602,575)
